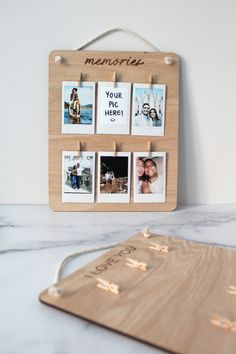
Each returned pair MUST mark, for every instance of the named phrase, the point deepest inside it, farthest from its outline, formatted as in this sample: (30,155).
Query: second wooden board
(169,305)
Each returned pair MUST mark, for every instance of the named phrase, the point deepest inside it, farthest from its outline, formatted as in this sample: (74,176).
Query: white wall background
(202,32)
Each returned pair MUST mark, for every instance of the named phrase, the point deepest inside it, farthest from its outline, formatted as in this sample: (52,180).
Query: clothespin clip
(114,148)
(146,232)
(133,263)
(58,59)
(158,247)
(169,60)
(80,79)
(223,322)
(232,290)
(149,147)
(150,81)
(114,79)
(106,285)
(79,148)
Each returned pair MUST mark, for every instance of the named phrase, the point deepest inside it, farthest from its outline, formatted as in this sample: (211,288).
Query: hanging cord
(58,291)
(119,29)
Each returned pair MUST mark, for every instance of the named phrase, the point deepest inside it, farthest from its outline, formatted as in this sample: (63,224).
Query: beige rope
(119,29)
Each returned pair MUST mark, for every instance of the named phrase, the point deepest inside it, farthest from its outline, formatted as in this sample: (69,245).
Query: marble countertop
(33,239)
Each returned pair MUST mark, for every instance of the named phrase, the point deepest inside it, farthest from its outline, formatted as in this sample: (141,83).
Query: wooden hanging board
(89,64)
(169,305)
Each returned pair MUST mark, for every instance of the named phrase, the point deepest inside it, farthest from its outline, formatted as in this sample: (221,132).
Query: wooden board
(169,305)
(76,62)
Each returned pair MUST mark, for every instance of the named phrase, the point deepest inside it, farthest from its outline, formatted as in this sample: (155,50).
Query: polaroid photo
(148,113)
(113,177)
(113,108)
(78,107)
(149,177)
(78,175)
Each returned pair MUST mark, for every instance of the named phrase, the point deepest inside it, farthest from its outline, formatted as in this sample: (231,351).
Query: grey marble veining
(33,239)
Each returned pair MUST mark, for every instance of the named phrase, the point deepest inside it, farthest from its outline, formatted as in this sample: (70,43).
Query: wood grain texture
(69,70)
(169,305)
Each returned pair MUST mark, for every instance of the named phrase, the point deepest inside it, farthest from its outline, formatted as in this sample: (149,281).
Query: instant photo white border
(78,197)
(109,197)
(118,129)
(149,198)
(151,131)
(78,128)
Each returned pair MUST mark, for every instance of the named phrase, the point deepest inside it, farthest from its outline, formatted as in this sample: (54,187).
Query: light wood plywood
(169,305)
(76,62)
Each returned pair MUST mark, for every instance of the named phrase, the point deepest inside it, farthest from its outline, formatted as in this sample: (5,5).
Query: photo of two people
(149,177)
(148,109)
(148,117)
(78,176)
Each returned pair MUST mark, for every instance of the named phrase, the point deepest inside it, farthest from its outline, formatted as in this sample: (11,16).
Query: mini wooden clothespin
(133,263)
(232,290)
(146,232)
(114,79)
(80,79)
(79,148)
(58,59)
(114,148)
(223,322)
(150,81)
(106,285)
(158,247)
(149,147)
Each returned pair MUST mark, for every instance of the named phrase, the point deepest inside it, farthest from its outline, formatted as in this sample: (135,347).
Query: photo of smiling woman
(150,177)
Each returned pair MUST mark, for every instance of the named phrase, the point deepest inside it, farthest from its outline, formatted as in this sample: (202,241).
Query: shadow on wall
(192,172)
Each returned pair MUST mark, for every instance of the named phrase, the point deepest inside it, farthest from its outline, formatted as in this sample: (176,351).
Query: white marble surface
(34,239)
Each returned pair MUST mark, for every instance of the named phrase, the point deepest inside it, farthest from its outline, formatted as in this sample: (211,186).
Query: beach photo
(113,177)
(78,107)
(78,176)
(149,177)
(148,114)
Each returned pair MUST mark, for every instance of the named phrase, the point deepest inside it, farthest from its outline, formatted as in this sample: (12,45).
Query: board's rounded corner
(52,206)
(173,206)
(41,297)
